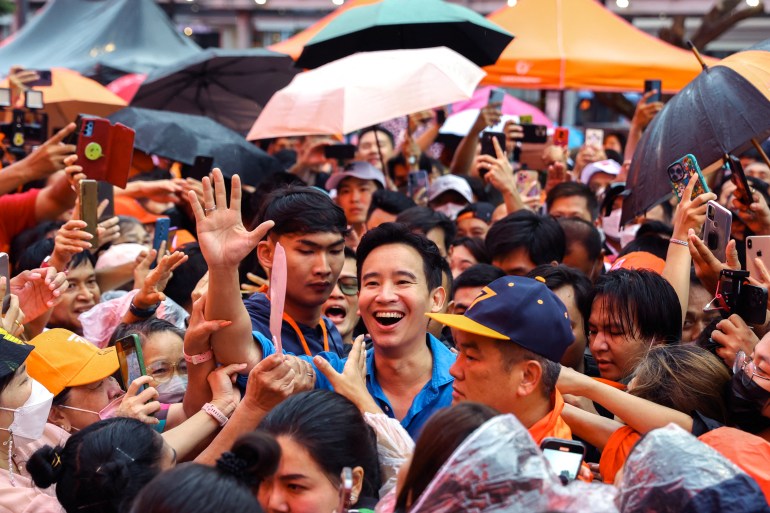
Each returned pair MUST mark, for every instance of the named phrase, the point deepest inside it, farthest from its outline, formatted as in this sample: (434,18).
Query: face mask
(29,420)
(450,210)
(611,228)
(107,412)
(172,391)
(748,398)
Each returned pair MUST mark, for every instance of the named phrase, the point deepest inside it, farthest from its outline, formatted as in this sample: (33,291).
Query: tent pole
(561,107)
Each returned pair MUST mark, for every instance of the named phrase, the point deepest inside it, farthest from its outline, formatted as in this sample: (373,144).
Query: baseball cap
(119,254)
(640,260)
(358,169)
(480,210)
(63,359)
(13,353)
(522,310)
(446,183)
(608,166)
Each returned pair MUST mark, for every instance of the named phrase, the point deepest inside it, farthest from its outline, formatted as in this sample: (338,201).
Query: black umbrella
(719,112)
(182,137)
(229,86)
(404,24)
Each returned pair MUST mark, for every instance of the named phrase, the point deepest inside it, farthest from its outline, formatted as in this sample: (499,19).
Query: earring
(353,498)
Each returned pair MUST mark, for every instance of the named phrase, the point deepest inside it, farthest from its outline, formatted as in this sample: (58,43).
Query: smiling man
(510,340)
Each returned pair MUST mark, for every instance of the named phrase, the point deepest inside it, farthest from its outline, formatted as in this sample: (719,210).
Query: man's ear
(265,252)
(57,418)
(531,374)
(438,298)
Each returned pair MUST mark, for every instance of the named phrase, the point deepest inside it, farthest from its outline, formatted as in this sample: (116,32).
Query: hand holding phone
(162,227)
(738,177)
(89,204)
(131,360)
(716,229)
(681,172)
(417,186)
(653,85)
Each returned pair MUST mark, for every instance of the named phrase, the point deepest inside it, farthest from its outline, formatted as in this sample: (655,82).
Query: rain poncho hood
(672,471)
(499,468)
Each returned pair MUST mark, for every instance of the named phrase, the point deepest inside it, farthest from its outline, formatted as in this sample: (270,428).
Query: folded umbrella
(365,89)
(182,137)
(719,112)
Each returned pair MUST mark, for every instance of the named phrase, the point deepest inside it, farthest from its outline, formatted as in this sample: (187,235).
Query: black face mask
(747,400)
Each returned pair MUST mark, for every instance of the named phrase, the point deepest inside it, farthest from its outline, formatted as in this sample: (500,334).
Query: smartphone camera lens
(712,241)
(710,212)
(748,243)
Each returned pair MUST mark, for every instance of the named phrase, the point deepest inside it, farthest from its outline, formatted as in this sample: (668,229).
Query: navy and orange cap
(478,210)
(522,310)
(13,353)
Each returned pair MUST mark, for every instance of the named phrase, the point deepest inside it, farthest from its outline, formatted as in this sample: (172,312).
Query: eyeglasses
(745,367)
(162,371)
(348,285)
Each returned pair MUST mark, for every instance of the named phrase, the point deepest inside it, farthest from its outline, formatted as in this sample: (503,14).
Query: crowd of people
(434,335)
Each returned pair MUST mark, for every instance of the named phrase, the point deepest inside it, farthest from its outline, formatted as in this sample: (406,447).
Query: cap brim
(102,365)
(466,324)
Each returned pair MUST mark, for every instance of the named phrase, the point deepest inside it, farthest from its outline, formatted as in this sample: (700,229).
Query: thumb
(258,233)
(732,255)
(326,369)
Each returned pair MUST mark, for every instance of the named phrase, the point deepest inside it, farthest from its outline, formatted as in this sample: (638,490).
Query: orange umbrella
(578,44)
(294,45)
(70,94)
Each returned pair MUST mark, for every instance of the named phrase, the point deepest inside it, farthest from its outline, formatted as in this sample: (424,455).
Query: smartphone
(44,78)
(340,151)
(496,96)
(417,184)
(564,456)
(757,246)
(162,226)
(488,147)
(681,172)
(106,191)
(528,183)
(5,272)
(131,360)
(345,490)
(652,85)
(525,119)
(534,133)
(89,202)
(201,167)
(561,136)
(738,177)
(716,229)
(595,137)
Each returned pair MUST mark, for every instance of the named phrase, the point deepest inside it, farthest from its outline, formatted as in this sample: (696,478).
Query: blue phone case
(681,172)
(162,226)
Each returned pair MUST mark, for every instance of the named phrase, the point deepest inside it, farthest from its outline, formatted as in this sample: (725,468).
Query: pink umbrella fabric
(511,105)
(127,85)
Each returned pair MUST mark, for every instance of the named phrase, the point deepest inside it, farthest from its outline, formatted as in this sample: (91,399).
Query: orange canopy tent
(579,44)
(294,45)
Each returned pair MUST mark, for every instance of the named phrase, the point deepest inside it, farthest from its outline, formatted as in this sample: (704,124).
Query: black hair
(540,236)
(642,303)
(398,233)
(332,430)
(424,163)
(621,137)
(558,276)
(389,201)
(186,277)
(377,128)
(33,257)
(101,468)
(613,191)
(613,155)
(476,247)
(568,189)
(446,274)
(478,275)
(229,486)
(580,231)
(424,219)
(648,244)
(302,210)
(350,253)
(144,329)
(28,237)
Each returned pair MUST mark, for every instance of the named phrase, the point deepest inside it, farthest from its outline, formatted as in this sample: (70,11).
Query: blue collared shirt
(436,394)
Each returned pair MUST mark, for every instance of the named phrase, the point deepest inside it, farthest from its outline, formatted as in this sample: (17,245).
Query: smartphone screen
(131,360)
(496,96)
(595,137)
(564,463)
(652,85)
(417,184)
(89,201)
(6,273)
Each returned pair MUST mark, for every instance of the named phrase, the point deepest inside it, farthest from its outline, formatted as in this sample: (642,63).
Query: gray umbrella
(182,137)
(229,86)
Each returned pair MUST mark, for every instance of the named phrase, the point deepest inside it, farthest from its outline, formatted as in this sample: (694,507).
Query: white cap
(446,183)
(358,169)
(608,166)
(119,254)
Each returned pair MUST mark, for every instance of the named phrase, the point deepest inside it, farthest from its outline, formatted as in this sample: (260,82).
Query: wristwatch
(214,412)
(198,358)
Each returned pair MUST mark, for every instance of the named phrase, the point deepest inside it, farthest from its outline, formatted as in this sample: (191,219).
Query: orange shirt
(552,425)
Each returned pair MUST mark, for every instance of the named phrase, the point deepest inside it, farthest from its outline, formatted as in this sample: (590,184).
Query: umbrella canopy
(394,24)
(365,89)
(127,85)
(229,86)
(182,137)
(70,94)
(718,113)
(511,105)
(579,44)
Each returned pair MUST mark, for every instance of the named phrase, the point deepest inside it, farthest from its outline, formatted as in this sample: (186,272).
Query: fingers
(192,198)
(220,194)
(259,233)
(731,251)
(133,388)
(326,369)
(498,150)
(235,194)
(61,135)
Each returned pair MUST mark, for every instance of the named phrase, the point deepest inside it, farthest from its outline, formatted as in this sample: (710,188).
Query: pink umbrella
(127,85)
(511,105)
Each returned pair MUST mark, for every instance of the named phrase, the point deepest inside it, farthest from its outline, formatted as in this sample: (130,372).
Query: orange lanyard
(302,337)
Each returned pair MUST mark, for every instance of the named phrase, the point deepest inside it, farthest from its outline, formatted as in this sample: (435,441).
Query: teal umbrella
(405,24)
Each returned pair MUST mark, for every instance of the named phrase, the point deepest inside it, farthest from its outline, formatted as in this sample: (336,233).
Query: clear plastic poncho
(499,468)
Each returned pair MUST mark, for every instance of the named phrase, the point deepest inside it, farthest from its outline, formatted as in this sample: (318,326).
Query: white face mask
(29,419)
(450,210)
(611,228)
(172,391)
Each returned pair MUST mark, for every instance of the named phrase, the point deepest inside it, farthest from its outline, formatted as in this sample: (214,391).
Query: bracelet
(680,242)
(212,410)
(198,358)
(143,313)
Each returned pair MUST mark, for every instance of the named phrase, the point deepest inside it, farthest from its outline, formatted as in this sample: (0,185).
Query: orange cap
(126,206)
(63,359)
(639,260)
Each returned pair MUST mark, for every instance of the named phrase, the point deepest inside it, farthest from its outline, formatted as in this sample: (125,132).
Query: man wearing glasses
(342,306)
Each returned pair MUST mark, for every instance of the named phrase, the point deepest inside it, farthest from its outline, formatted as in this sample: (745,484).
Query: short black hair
(540,236)
(399,233)
(33,257)
(424,219)
(558,276)
(377,128)
(300,209)
(478,275)
(642,303)
(186,277)
(389,201)
(567,189)
(476,247)
(580,231)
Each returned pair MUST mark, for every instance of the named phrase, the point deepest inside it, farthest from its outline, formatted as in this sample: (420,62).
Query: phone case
(738,177)
(416,183)
(5,271)
(716,229)
(594,137)
(757,246)
(105,151)
(136,347)
(162,226)
(681,172)
(487,147)
(105,191)
(89,202)
(561,136)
